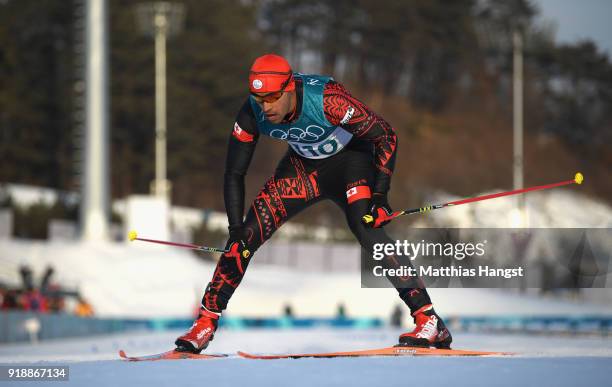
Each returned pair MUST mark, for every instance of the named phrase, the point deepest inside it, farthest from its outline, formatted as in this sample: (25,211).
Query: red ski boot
(200,334)
(430,331)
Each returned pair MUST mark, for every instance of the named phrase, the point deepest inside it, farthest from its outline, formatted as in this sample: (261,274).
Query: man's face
(277,110)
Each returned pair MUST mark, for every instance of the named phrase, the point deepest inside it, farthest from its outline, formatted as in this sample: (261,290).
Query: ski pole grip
(578,178)
(132,235)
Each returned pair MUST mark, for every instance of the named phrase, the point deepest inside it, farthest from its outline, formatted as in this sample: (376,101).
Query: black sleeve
(240,149)
(344,110)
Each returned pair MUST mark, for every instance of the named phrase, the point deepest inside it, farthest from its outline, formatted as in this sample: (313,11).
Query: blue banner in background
(17,326)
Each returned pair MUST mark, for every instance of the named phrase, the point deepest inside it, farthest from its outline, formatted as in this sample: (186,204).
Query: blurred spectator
(288,311)
(10,299)
(52,291)
(55,298)
(45,283)
(396,317)
(34,301)
(26,278)
(48,297)
(83,308)
(341,311)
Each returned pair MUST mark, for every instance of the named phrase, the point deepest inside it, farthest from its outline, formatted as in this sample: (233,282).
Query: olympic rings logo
(312,133)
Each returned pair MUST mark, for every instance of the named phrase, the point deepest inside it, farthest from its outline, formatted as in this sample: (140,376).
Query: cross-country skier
(339,149)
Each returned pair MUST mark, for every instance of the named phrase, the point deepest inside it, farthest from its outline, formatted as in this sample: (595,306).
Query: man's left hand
(380,210)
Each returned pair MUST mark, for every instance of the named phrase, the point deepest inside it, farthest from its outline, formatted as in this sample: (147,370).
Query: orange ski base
(390,351)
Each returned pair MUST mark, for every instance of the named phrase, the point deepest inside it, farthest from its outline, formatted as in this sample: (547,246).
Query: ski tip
(132,235)
(578,178)
(246,355)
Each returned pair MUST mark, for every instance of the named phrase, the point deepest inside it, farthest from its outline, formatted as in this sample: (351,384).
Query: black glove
(237,243)
(380,211)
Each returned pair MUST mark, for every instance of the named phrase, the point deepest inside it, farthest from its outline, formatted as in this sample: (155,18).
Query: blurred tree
(579,96)
(207,67)
(411,48)
(439,71)
(32,221)
(35,85)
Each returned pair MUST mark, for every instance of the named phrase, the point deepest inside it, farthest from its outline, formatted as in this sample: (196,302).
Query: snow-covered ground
(539,360)
(135,280)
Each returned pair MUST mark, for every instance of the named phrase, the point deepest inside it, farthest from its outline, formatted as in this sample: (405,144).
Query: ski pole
(133,236)
(578,178)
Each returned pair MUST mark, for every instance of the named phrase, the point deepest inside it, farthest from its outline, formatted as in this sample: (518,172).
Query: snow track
(540,360)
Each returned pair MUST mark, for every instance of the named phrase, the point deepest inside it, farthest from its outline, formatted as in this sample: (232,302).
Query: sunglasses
(269,98)
(273,96)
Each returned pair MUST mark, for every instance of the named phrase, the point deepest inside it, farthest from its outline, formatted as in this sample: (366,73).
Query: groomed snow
(540,361)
